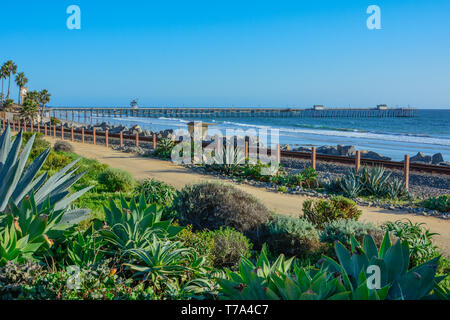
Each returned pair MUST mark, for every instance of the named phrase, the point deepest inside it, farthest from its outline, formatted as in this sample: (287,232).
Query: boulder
(346,151)
(285,147)
(437,158)
(136,129)
(421,157)
(329,150)
(302,149)
(365,154)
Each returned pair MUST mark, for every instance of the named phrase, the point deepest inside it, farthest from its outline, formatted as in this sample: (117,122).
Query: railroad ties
(75,114)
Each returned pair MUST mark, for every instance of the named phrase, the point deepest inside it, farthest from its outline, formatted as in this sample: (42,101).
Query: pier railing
(198,113)
(121,139)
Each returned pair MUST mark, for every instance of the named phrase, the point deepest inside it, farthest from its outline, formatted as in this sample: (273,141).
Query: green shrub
(441,203)
(97,282)
(202,241)
(62,146)
(292,236)
(213,205)
(115,180)
(164,148)
(56,161)
(418,238)
(343,229)
(321,211)
(157,192)
(229,246)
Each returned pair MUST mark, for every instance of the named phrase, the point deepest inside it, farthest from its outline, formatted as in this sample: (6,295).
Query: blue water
(429,132)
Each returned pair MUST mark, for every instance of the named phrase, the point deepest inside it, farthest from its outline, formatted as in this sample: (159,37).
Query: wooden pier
(79,114)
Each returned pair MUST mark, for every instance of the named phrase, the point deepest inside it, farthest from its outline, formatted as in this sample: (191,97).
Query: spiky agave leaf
(18,182)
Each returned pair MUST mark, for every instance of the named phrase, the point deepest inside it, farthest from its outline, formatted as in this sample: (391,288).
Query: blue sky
(241,53)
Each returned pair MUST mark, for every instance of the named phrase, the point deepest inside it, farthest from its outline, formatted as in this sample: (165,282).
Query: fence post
(18,123)
(278,153)
(313,158)
(106,138)
(357,160)
(137,139)
(121,139)
(72,134)
(82,135)
(14,125)
(39,128)
(154,141)
(407,171)
(94,136)
(3,123)
(32,126)
(54,131)
(45,129)
(246,150)
(62,132)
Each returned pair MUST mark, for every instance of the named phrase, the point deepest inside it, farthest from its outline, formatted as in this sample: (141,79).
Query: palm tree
(21,80)
(44,98)
(11,69)
(3,75)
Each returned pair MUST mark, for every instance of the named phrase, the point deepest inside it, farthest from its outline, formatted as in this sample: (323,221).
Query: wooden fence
(59,132)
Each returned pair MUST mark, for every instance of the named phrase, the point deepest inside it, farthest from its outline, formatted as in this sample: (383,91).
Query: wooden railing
(60,132)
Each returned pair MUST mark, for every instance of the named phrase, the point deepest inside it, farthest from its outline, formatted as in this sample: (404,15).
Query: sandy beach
(178,176)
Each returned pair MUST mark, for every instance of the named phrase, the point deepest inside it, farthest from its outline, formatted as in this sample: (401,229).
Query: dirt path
(287,204)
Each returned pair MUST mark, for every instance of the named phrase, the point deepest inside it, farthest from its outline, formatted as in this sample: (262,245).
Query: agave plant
(396,189)
(132,225)
(18,182)
(350,185)
(374,180)
(288,281)
(164,259)
(393,261)
(14,249)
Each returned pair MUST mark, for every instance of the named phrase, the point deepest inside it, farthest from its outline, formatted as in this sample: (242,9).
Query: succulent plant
(393,261)
(132,224)
(286,280)
(18,182)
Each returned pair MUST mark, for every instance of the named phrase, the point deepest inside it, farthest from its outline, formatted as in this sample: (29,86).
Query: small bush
(115,180)
(292,236)
(164,148)
(213,205)
(341,230)
(321,211)
(229,246)
(441,203)
(56,161)
(39,144)
(63,146)
(202,241)
(156,192)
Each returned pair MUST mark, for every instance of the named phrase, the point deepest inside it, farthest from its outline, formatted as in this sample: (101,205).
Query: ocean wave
(408,138)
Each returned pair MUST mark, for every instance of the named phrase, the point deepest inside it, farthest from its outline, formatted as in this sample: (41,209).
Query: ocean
(429,132)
